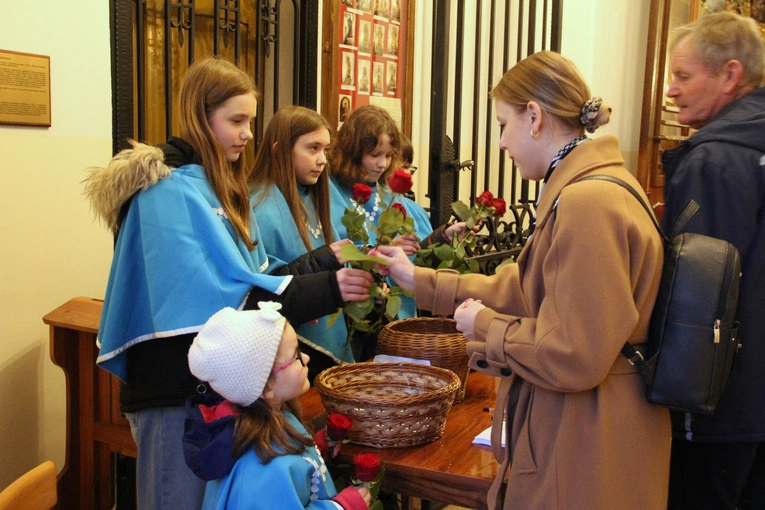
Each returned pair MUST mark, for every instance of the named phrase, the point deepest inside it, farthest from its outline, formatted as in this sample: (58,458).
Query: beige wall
(607,40)
(50,248)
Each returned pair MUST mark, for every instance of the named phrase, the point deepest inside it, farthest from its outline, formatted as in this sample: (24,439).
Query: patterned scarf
(553,165)
(563,153)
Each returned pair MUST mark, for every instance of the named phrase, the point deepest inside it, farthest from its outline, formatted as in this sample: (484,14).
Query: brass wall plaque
(24,89)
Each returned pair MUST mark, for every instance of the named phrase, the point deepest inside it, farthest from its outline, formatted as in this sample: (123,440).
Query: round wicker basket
(391,404)
(436,340)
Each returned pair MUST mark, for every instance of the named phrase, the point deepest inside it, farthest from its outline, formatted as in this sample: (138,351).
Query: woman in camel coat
(580,430)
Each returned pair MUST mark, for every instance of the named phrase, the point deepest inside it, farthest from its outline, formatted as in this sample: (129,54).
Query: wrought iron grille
(528,26)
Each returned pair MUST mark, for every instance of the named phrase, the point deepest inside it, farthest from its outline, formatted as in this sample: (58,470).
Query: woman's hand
(337,246)
(465,314)
(408,243)
(400,268)
(354,284)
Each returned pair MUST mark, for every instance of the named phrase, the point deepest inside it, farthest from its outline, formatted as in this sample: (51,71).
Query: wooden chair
(34,490)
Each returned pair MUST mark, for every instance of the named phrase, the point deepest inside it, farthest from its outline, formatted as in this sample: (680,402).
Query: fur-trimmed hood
(130,171)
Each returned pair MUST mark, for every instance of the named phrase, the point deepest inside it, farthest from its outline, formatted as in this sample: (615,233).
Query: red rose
(367,467)
(361,193)
(401,208)
(500,206)
(400,181)
(485,198)
(338,426)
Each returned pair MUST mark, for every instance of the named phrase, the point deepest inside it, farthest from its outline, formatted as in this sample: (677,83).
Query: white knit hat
(235,351)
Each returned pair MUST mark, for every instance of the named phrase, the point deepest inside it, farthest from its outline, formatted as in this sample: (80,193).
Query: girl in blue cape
(186,246)
(290,197)
(366,150)
(252,359)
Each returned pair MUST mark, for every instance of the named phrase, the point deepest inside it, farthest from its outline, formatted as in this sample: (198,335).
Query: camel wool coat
(580,430)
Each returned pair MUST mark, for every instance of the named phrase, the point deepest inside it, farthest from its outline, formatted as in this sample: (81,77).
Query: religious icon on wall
(381,8)
(379,41)
(364,5)
(393,39)
(365,36)
(348,70)
(390,87)
(395,10)
(364,76)
(344,109)
(377,82)
(349,29)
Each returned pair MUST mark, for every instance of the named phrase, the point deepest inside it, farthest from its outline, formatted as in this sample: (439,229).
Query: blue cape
(177,261)
(283,245)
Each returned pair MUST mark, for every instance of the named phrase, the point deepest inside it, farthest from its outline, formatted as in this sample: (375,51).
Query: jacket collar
(583,160)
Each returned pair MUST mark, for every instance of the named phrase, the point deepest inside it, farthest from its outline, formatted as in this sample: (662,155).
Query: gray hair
(723,36)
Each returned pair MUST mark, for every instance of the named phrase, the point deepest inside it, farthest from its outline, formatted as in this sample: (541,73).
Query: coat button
(482,363)
(506,372)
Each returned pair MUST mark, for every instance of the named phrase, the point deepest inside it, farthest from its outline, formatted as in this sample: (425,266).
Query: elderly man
(718,460)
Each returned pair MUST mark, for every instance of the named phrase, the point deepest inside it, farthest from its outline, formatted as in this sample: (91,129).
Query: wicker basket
(432,339)
(391,404)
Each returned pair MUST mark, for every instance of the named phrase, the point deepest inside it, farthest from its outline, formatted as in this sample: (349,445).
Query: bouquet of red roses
(454,255)
(392,221)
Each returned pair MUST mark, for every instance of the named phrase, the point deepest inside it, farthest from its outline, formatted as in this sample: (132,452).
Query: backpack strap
(685,216)
(634,356)
(634,193)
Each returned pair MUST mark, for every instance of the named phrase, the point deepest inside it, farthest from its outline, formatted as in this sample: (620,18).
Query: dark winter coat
(722,168)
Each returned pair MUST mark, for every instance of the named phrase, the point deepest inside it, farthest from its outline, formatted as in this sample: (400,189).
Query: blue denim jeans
(163,481)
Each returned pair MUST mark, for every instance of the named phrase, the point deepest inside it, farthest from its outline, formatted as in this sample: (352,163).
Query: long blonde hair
(274,166)
(553,82)
(359,135)
(209,83)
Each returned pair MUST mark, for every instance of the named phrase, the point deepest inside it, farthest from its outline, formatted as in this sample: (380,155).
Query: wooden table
(450,470)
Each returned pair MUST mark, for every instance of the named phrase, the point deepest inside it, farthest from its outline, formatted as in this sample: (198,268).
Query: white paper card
(399,359)
(484,437)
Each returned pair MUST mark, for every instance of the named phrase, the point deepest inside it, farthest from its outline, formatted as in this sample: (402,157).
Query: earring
(534,135)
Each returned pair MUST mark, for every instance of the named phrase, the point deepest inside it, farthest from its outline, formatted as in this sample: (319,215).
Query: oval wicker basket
(432,339)
(391,404)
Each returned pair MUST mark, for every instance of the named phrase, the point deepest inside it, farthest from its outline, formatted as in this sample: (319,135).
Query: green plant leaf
(363,326)
(352,252)
(393,305)
(461,210)
(443,251)
(357,310)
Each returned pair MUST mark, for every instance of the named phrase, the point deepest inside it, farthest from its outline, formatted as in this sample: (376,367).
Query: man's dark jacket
(722,167)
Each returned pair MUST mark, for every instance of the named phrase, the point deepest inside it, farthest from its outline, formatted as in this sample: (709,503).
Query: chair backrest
(34,490)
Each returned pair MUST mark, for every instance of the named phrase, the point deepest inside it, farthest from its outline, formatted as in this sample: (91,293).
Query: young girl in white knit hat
(252,359)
